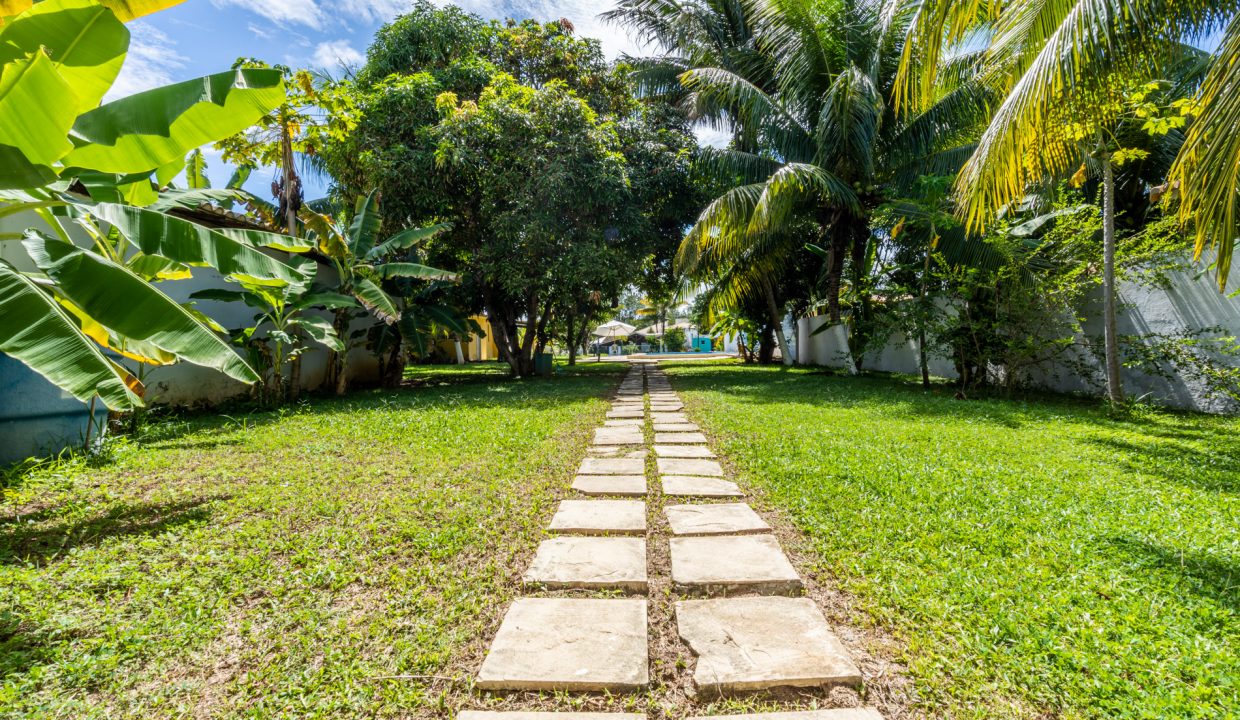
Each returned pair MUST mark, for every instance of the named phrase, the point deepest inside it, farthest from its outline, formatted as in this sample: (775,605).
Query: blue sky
(199,37)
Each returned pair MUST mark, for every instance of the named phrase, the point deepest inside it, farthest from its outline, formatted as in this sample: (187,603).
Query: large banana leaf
(375,300)
(319,330)
(126,10)
(35,330)
(365,224)
(405,240)
(388,271)
(38,108)
(123,302)
(84,40)
(183,241)
(142,132)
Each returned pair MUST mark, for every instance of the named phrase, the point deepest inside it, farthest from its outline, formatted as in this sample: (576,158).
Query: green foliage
(1039,558)
(58,59)
(674,340)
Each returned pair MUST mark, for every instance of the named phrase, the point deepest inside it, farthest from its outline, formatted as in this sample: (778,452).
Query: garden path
(740,605)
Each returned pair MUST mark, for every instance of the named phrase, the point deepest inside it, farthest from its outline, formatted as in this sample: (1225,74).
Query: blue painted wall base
(37,418)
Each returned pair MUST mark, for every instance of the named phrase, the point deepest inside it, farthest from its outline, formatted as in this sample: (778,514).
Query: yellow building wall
(477,348)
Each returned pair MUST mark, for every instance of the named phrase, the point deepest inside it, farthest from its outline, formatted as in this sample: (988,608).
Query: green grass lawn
(1037,559)
(280,564)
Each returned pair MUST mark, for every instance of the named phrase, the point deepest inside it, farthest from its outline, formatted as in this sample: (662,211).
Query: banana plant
(58,59)
(362,265)
(283,323)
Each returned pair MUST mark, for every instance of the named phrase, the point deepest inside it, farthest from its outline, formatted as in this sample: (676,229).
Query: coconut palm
(815,138)
(1068,72)
(1048,56)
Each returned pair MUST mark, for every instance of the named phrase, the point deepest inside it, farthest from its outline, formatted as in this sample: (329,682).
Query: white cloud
(583,14)
(708,136)
(150,62)
(259,32)
(319,14)
(336,54)
(283,12)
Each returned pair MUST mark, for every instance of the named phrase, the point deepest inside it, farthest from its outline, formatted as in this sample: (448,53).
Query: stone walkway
(741,608)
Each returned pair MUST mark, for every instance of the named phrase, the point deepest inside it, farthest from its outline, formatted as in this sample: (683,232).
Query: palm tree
(1062,69)
(814,137)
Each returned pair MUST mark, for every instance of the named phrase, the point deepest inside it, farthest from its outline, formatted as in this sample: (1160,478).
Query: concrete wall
(826,348)
(1189,303)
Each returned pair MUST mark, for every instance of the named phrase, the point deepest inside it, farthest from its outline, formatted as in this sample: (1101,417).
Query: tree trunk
(921,325)
(290,180)
(766,345)
(778,322)
(1115,387)
(571,338)
(294,379)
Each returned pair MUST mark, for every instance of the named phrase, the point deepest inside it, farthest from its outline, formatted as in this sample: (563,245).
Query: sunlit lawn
(1037,559)
(279,564)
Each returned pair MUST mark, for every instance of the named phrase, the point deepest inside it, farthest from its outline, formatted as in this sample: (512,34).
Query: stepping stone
(666,407)
(614,466)
(626,422)
(625,413)
(569,644)
(687,438)
(833,714)
(668,417)
(526,715)
(685,486)
(689,466)
(600,517)
(683,451)
(636,454)
(626,485)
(604,450)
(675,427)
(618,436)
(714,519)
(591,563)
(730,564)
(753,643)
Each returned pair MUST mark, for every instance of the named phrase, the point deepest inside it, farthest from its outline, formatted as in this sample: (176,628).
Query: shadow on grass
(1209,575)
(27,539)
(1215,470)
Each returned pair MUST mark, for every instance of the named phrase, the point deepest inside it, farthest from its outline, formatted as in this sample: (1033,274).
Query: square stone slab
(676,427)
(714,519)
(666,417)
(732,563)
(685,438)
(569,644)
(600,517)
(625,485)
(526,715)
(613,466)
(618,436)
(605,450)
(626,422)
(683,451)
(626,413)
(591,563)
(691,466)
(753,643)
(685,486)
(833,714)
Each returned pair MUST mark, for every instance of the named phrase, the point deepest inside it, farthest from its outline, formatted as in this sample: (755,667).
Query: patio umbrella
(611,331)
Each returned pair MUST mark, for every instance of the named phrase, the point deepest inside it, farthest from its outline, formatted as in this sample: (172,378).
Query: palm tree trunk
(1115,387)
(921,326)
(290,179)
(778,323)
